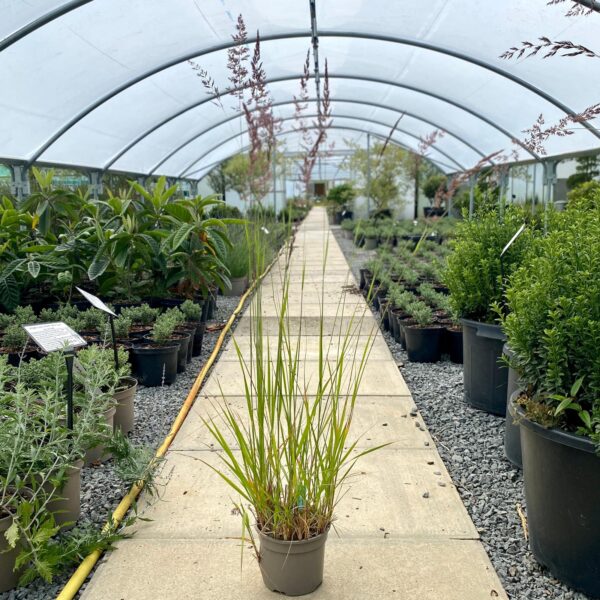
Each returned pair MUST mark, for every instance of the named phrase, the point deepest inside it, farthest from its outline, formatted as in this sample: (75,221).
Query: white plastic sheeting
(105,84)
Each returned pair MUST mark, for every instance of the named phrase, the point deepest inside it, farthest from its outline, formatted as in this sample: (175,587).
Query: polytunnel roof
(106,84)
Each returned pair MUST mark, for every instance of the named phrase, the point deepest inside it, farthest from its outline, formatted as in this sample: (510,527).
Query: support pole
(96,189)
(274,167)
(368,174)
(472,182)
(549,179)
(19,185)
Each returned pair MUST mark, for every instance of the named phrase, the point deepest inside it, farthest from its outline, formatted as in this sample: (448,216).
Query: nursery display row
(525,289)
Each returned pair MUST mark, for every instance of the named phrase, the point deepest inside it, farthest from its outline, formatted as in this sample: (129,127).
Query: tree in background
(432,185)
(342,194)
(587,169)
(385,184)
(218,180)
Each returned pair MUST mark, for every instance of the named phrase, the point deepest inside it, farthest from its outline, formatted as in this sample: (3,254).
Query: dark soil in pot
(561,474)
(155,365)
(66,502)
(8,578)
(485,376)
(99,453)
(512,433)
(292,568)
(423,344)
(125,400)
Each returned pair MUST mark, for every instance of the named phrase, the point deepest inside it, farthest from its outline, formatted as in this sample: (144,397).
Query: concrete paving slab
(378,420)
(370,570)
(310,326)
(309,347)
(380,378)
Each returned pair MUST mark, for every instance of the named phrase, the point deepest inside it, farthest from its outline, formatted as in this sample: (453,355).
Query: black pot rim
(151,346)
(428,329)
(486,330)
(553,434)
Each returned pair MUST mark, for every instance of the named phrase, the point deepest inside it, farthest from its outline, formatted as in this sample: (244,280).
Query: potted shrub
(15,344)
(474,278)
(371,237)
(142,318)
(553,327)
(423,336)
(154,358)
(348,228)
(237,262)
(193,314)
(294,486)
(185,332)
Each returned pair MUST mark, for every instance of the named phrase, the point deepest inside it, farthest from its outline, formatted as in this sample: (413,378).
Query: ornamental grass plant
(289,450)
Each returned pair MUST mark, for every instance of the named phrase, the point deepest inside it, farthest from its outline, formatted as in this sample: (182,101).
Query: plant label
(96,302)
(344,213)
(265,230)
(513,239)
(54,336)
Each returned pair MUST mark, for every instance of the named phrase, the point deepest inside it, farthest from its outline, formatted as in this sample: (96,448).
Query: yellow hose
(85,568)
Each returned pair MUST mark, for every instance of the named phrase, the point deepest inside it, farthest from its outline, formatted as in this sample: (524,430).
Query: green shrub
(432,184)
(585,197)
(191,310)
(141,315)
(237,259)
(164,326)
(93,320)
(553,323)
(421,313)
(341,194)
(6,320)
(122,326)
(15,338)
(225,211)
(473,271)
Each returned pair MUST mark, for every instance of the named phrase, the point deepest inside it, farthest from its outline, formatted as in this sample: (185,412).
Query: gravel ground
(155,411)
(471,444)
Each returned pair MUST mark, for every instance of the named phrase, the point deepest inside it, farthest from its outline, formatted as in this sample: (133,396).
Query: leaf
(576,386)
(179,212)
(9,292)
(12,534)
(99,264)
(181,234)
(584,415)
(33,266)
(562,406)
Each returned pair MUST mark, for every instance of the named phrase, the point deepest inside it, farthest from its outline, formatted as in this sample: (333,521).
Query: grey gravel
(471,444)
(155,411)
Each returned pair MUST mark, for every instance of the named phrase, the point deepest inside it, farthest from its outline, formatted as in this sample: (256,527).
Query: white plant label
(95,302)
(54,336)
(265,230)
(512,240)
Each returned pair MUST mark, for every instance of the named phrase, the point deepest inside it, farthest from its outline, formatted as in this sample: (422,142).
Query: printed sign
(96,302)
(512,240)
(54,336)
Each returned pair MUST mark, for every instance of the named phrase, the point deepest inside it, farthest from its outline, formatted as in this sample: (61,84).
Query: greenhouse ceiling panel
(108,84)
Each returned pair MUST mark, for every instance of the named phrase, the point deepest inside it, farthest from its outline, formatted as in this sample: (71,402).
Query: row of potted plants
(42,457)
(540,301)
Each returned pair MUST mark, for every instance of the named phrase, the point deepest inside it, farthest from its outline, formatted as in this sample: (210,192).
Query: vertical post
(417,184)
(472,181)
(274,167)
(95,178)
(535,165)
(549,179)
(69,358)
(368,174)
(19,185)
(114,340)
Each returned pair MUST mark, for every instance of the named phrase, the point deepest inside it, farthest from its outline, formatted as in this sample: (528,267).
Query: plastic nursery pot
(512,432)
(370,243)
(238,286)
(198,339)
(292,568)
(423,344)
(66,502)
(403,321)
(385,316)
(99,453)
(561,473)
(124,398)
(454,344)
(8,577)
(485,377)
(155,365)
(14,358)
(363,279)
(183,339)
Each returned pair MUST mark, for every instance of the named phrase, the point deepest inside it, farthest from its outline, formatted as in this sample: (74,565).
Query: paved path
(403,530)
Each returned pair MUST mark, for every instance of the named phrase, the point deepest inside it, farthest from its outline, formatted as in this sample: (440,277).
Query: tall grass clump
(288,452)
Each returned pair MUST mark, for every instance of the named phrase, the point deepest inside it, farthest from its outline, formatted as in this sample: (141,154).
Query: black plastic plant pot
(561,473)
(512,432)
(385,316)
(171,302)
(394,326)
(198,339)
(403,322)
(423,344)
(155,365)
(363,280)
(292,568)
(183,339)
(454,344)
(15,358)
(485,376)
(8,577)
